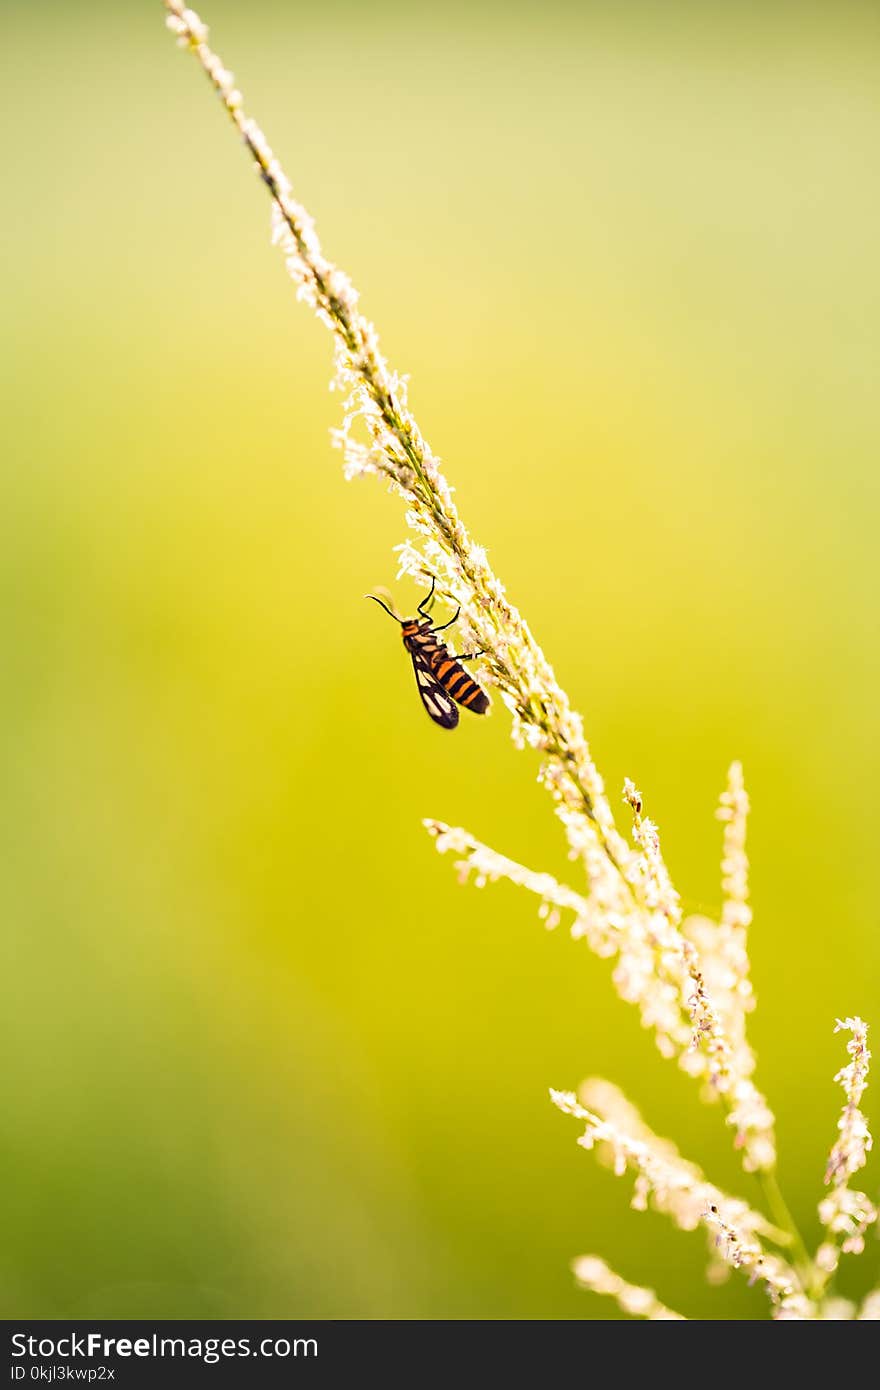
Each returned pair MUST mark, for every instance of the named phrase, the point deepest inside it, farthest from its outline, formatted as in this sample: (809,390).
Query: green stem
(783,1218)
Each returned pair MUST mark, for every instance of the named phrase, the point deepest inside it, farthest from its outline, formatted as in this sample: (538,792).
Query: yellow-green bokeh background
(262,1056)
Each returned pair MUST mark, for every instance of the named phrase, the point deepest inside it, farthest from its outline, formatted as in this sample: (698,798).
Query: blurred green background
(263,1056)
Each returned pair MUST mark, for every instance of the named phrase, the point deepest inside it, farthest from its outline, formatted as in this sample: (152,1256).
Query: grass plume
(689,977)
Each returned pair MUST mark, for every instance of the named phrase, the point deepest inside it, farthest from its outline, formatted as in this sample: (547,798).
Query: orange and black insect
(442,681)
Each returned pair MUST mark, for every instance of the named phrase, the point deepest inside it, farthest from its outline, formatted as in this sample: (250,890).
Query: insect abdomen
(441,678)
(456,682)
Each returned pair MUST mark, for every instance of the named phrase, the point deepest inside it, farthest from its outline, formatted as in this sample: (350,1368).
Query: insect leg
(472,656)
(449,624)
(427,599)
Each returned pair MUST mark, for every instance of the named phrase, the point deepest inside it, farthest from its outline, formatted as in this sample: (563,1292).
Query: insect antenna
(384,605)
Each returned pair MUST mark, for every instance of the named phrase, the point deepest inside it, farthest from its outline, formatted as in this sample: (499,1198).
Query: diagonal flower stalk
(647,974)
(689,977)
(396,449)
(595,1275)
(657,969)
(669,1184)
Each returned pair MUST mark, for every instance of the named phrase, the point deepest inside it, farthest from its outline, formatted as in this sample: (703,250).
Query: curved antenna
(385,606)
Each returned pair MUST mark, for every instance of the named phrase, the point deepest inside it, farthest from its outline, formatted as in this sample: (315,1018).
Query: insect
(441,679)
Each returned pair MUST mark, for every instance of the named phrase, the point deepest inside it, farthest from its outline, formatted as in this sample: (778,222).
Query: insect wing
(441,708)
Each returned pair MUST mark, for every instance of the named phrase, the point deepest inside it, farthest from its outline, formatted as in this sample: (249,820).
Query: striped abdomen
(449,674)
(457,683)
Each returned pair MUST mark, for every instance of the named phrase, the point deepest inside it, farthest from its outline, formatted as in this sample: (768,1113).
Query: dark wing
(438,704)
